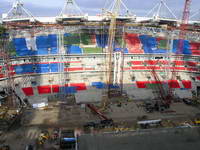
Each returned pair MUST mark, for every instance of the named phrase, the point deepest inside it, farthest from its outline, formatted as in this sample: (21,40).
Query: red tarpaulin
(142,84)
(133,43)
(173,84)
(44,89)
(74,69)
(139,68)
(151,62)
(79,86)
(153,67)
(187,84)
(55,88)
(156,82)
(192,64)
(195,48)
(137,62)
(179,63)
(198,77)
(1,75)
(28,91)
(192,69)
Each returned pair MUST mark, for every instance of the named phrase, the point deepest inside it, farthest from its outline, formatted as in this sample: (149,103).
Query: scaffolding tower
(4,54)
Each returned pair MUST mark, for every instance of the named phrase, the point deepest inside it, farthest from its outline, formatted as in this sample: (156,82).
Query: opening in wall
(198,91)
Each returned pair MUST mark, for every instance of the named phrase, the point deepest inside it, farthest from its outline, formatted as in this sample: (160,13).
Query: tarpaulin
(198,77)
(24,69)
(133,43)
(28,91)
(73,49)
(79,86)
(162,43)
(42,42)
(68,90)
(87,39)
(179,63)
(173,84)
(137,62)
(186,47)
(102,40)
(150,45)
(121,49)
(55,88)
(187,84)
(192,64)
(52,39)
(1,75)
(44,89)
(99,85)
(139,68)
(74,69)
(195,48)
(53,67)
(42,68)
(113,86)
(70,39)
(20,44)
(142,84)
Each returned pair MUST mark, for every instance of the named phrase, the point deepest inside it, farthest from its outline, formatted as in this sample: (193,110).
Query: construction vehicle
(68,139)
(5,147)
(104,121)
(43,137)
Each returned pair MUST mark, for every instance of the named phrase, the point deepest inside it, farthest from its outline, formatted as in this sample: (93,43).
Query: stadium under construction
(98,61)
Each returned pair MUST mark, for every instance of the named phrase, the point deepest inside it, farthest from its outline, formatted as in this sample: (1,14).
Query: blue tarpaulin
(99,85)
(120,49)
(23,69)
(114,86)
(186,47)
(73,49)
(42,42)
(150,45)
(52,39)
(42,68)
(68,90)
(20,44)
(54,67)
(102,40)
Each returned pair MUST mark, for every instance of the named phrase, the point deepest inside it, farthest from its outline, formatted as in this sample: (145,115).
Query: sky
(93,7)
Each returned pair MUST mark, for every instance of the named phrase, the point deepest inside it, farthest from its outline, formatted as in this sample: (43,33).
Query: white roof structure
(120,9)
(195,16)
(17,13)
(161,11)
(71,10)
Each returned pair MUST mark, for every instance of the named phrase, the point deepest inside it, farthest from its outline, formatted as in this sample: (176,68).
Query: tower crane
(182,36)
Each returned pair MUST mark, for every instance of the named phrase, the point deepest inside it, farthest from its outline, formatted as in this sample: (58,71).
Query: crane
(109,52)
(182,36)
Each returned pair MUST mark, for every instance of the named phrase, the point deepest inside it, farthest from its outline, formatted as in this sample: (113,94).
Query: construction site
(110,81)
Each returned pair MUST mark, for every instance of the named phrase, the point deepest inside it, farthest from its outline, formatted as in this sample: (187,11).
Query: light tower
(161,11)
(70,9)
(18,12)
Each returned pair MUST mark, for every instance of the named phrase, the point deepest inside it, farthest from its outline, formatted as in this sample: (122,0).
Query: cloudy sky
(92,7)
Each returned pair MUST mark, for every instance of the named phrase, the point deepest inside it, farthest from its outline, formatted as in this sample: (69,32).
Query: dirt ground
(71,117)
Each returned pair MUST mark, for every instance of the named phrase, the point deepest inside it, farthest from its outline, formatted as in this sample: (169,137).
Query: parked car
(187,101)
(29,147)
